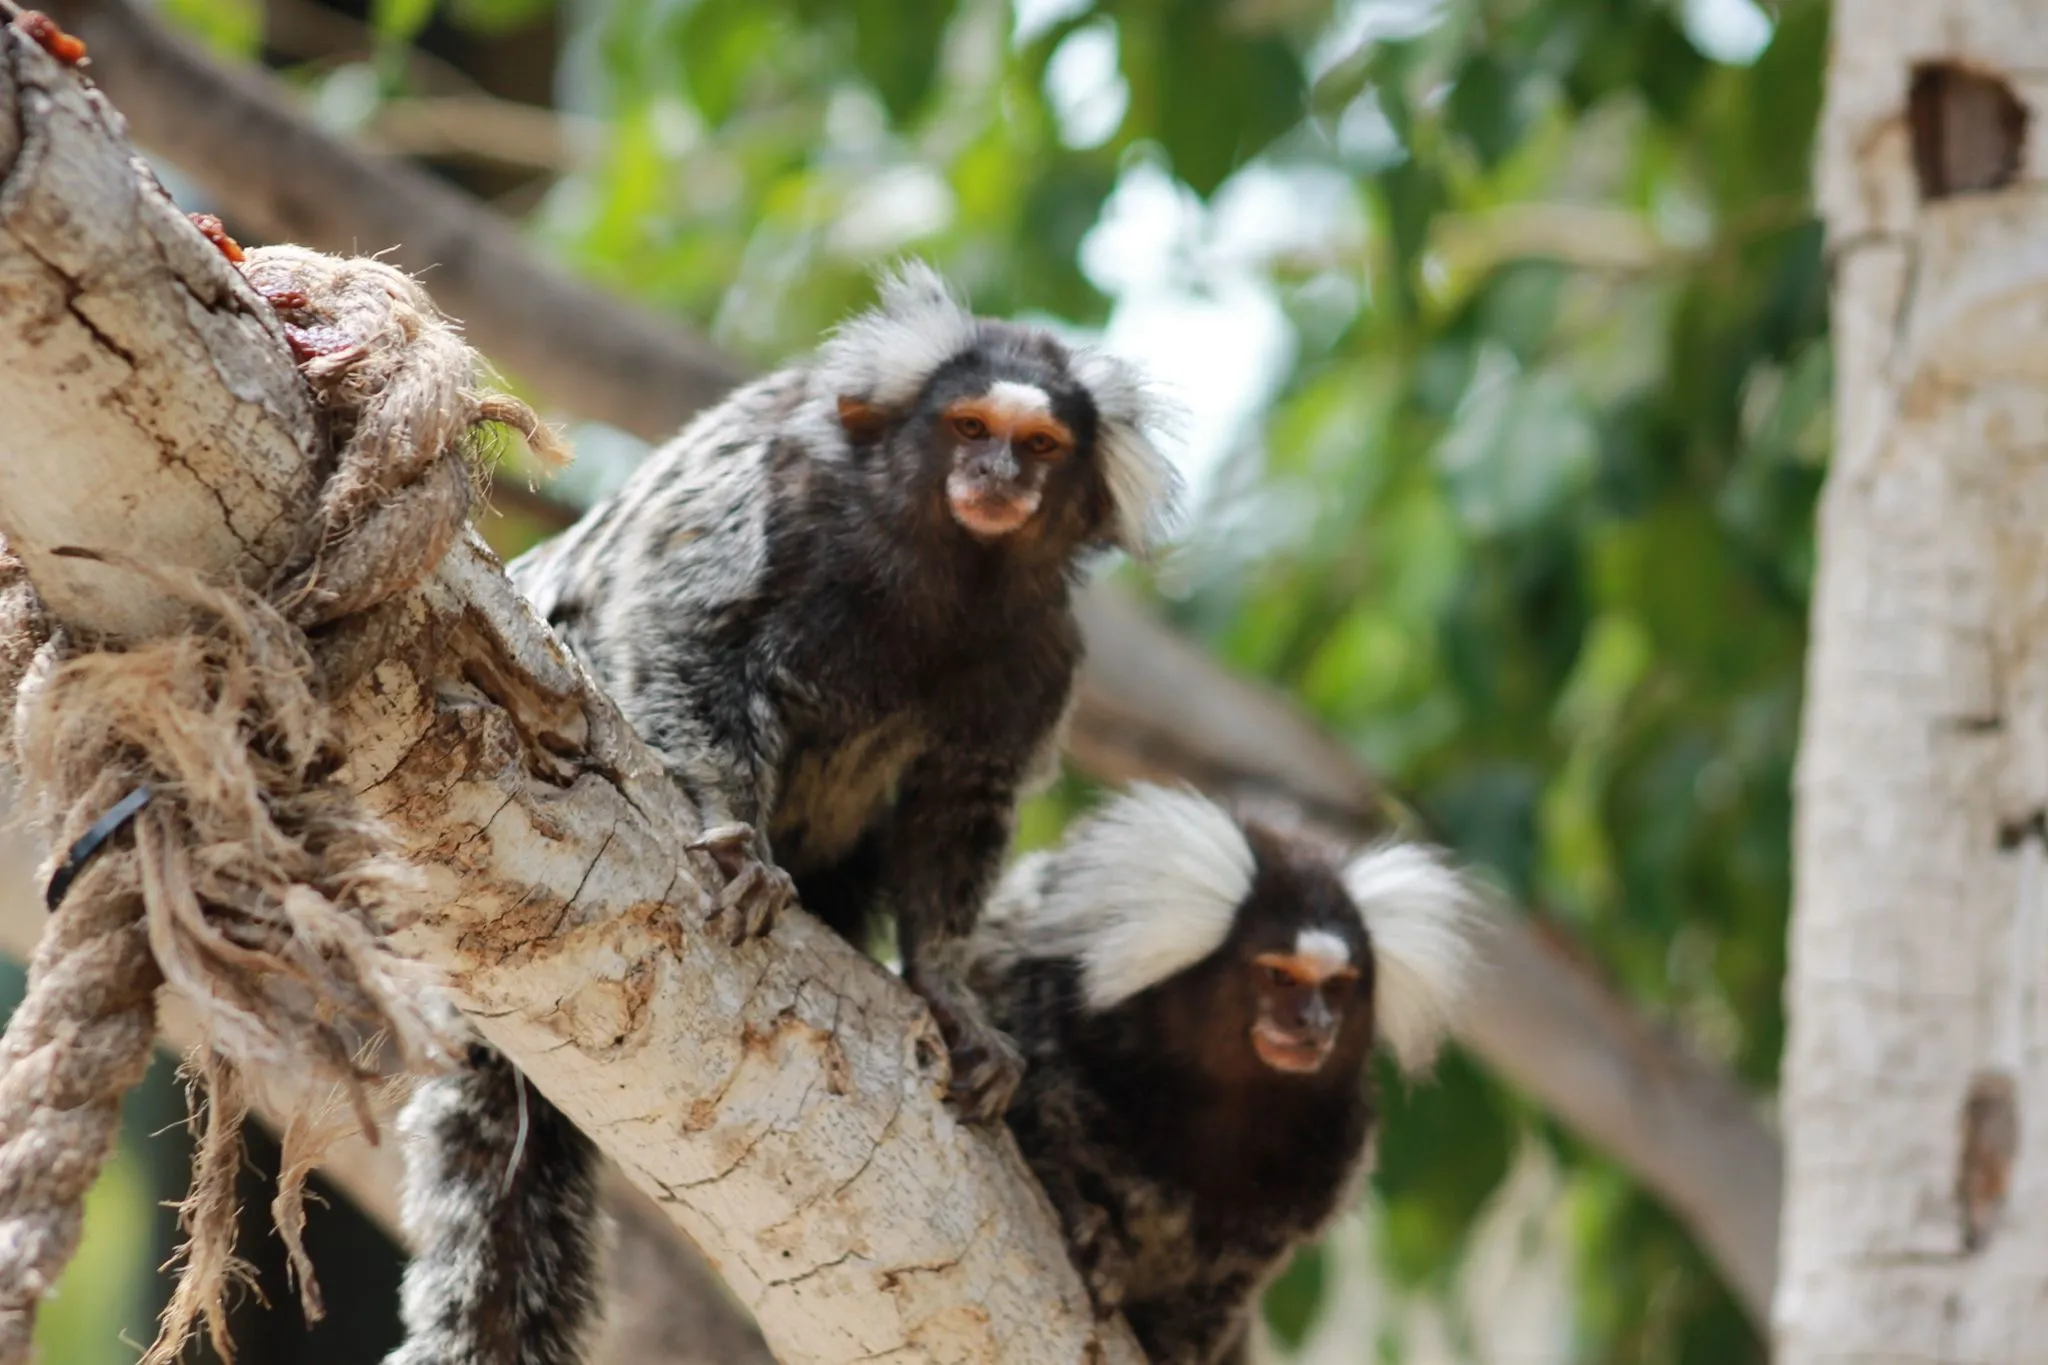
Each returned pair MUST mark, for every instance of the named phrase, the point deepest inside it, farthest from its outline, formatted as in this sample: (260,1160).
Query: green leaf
(233,28)
(400,21)
(896,46)
(1295,1300)
(1486,107)
(1212,97)
(727,47)
(494,17)
(1518,454)
(1443,1149)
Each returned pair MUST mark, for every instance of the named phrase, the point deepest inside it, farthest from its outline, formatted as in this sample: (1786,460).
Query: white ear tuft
(1144,487)
(1420,915)
(1143,888)
(884,355)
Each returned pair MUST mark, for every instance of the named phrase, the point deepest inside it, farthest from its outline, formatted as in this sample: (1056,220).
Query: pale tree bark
(780,1101)
(1152,705)
(1916,1079)
(666,1307)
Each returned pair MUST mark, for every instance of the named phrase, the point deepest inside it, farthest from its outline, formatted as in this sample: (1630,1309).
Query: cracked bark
(128,312)
(631,365)
(501,771)
(1152,704)
(667,1306)
(1916,1218)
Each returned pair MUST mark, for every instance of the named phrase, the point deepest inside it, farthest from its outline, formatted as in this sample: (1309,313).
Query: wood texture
(1916,1217)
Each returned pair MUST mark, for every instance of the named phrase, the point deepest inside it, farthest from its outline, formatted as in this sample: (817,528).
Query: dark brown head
(999,432)
(1288,993)
(1300,945)
(1264,953)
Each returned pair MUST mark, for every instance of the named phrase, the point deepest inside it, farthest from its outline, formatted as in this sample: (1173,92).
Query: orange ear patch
(860,420)
(1306,969)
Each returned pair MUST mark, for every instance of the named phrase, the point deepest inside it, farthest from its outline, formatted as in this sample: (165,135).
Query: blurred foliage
(1526,517)
(232,28)
(106,1284)
(104,1294)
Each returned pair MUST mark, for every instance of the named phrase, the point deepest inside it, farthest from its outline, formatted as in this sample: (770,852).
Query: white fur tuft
(1419,914)
(1144,486)
(1144,888)
(885,355)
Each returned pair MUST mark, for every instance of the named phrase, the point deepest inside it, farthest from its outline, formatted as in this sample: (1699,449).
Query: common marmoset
(838,606)
(1197,996)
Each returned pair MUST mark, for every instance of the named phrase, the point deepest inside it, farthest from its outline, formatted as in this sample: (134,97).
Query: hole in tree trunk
(1969,130)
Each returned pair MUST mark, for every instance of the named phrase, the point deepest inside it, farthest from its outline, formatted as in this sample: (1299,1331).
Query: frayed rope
(249,880)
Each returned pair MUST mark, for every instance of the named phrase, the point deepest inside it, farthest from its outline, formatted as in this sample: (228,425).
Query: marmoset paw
(755,890)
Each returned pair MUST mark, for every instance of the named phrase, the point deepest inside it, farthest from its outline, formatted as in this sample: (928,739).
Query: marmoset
(838,606)
(1197,996)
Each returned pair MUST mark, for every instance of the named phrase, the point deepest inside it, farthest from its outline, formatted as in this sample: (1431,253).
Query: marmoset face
(1304,960)
(1002,441)
(1005,443)
(1007,438)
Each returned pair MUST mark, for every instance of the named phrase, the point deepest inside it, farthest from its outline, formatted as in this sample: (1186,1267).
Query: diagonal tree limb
(1152,703)
(667,1307)
(236,131)
(781,1101)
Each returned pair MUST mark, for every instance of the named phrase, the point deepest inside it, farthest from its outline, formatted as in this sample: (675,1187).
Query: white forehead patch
(1014,400)
(1322,950)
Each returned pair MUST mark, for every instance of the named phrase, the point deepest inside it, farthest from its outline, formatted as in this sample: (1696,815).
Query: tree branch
(1152,703)
(781,1101)
(667,1308)
(237,133)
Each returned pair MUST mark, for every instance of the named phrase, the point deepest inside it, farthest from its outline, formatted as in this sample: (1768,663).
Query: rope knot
(252,880)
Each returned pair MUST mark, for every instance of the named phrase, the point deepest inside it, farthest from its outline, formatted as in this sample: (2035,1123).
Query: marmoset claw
(755,889)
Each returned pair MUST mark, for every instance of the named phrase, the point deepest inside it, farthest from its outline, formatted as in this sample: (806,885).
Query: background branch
(290,181)
(1153,704)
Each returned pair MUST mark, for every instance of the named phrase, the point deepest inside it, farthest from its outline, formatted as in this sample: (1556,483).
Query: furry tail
(501,1200)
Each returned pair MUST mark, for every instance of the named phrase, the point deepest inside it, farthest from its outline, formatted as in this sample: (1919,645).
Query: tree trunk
(665,1305)
(1916,1219)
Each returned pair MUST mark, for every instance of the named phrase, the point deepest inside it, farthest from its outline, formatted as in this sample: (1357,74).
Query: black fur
(1185,1170)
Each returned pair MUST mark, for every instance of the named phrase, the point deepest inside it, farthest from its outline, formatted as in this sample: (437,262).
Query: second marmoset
(1198,997)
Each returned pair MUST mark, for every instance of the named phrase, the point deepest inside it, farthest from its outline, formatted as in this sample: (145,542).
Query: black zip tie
(90,842)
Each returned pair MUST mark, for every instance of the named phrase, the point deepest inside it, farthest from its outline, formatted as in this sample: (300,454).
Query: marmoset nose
(991,461)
